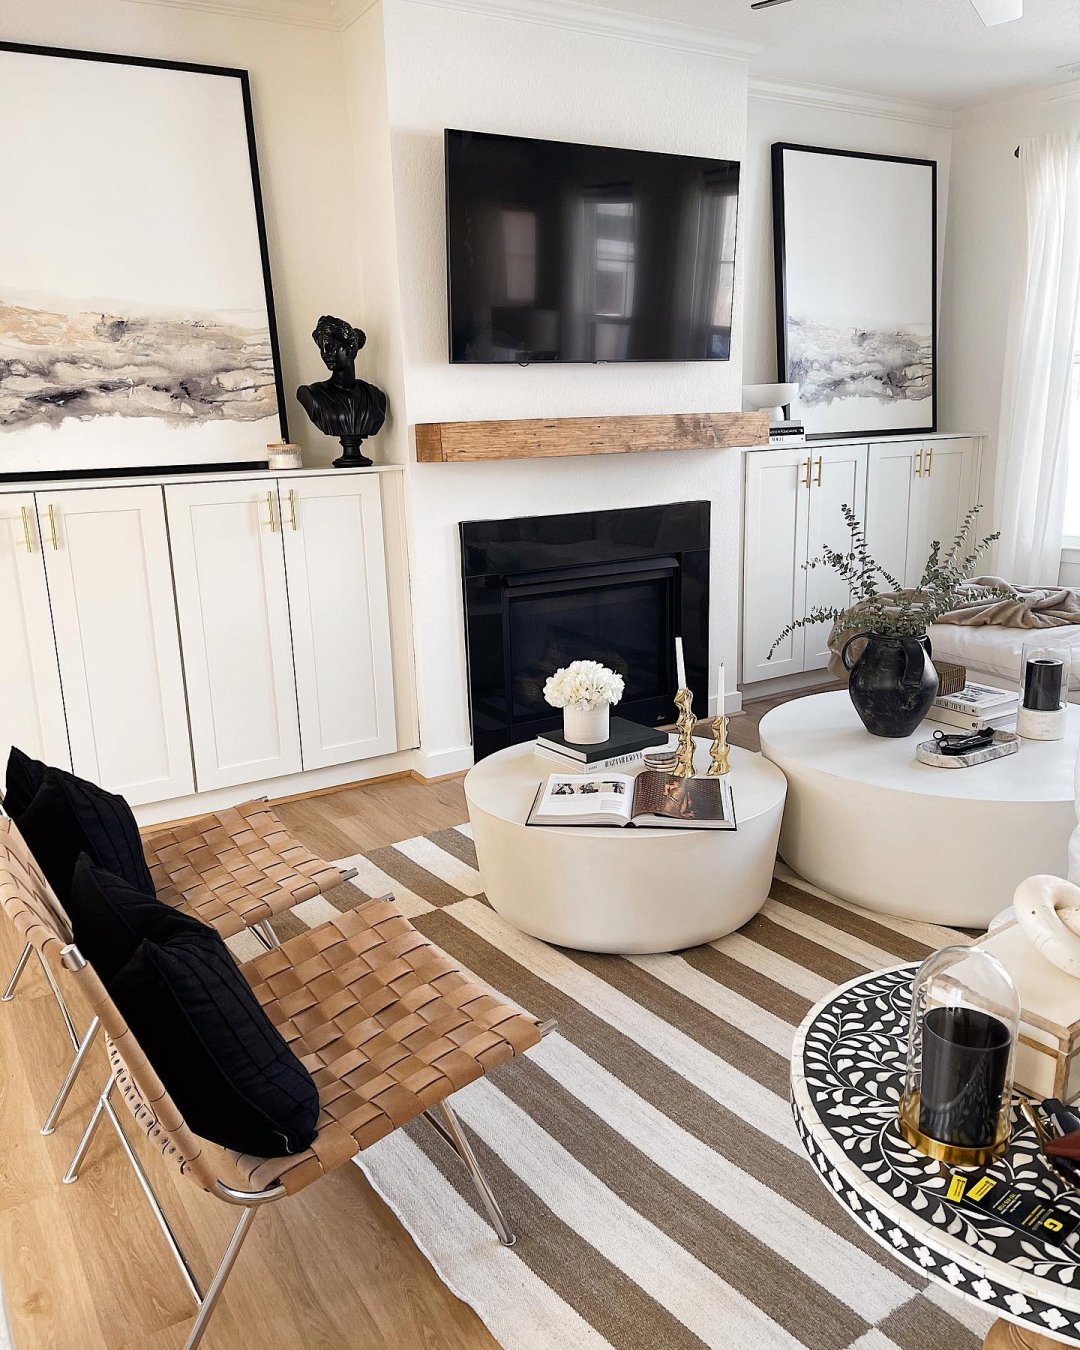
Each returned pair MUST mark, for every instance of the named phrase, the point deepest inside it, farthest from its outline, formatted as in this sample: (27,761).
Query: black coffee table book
(624,738)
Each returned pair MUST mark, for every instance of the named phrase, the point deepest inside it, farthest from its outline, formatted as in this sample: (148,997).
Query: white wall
(453,68)
(302,132)
(809,121)
(984,213)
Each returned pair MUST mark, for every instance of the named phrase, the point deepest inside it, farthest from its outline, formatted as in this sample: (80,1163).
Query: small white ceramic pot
(586,726)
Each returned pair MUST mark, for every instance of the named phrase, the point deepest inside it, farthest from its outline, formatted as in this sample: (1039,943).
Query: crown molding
(303,13)
(576,16)
(854,101)
(1018,101)
(348,11)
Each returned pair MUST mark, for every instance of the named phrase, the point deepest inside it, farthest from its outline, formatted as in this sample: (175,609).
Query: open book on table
(652,799)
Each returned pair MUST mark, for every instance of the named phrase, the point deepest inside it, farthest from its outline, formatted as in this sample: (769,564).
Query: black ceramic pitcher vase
(892,684)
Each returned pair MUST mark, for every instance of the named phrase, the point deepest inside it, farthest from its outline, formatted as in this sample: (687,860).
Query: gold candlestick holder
(684,701)
(720,754)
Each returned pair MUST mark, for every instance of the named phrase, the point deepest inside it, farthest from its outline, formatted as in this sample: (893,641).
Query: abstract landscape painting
(855,276)
(136,321)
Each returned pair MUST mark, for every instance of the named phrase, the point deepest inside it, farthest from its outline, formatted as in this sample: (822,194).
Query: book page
(682,799)
(574,795)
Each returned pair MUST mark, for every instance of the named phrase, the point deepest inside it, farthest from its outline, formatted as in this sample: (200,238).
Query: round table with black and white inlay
(847,1073)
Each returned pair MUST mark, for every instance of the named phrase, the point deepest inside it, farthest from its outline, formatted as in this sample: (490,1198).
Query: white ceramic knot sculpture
(1048,912)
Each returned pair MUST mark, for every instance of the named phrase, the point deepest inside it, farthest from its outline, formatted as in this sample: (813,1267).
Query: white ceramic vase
(586,726)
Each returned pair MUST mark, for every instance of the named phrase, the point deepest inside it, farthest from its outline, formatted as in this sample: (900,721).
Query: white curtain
(1033,437)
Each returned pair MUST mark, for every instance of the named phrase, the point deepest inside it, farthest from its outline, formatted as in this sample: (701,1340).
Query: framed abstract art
(136,313)
(855,250)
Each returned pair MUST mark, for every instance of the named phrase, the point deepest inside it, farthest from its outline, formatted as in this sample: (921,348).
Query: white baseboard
(291,785)
(786,684)
(439,763)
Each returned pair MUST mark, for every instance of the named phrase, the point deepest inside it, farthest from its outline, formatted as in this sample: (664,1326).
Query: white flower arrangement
(583,684)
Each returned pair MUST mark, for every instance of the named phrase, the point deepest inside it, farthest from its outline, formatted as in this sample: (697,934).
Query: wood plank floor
(85,1266)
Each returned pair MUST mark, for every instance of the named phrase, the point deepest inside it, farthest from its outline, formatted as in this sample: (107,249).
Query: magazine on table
(652,799)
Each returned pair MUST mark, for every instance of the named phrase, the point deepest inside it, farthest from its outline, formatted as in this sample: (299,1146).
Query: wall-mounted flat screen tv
(563,252)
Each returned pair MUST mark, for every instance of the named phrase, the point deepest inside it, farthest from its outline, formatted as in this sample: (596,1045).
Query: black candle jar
(965,1015)
(1044,679)
(965,1064)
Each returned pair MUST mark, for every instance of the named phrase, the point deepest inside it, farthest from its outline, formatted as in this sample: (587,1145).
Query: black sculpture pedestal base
(353,458)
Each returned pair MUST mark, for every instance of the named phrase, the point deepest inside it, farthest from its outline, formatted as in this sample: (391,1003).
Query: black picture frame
(230,72)
(781,279)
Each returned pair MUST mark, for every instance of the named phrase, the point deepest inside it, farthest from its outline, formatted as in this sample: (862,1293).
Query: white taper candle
(680,664)
(720,692)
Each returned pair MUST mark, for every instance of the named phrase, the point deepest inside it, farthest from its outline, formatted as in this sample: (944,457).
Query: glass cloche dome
(965,1015)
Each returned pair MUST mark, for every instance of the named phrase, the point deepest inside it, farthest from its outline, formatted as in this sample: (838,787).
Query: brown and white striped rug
(645,1152)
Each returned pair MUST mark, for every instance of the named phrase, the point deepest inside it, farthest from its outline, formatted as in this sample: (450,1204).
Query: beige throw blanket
(1018,607)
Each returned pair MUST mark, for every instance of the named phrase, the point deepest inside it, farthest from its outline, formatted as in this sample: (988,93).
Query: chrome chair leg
(20,966)
(450,1129)
(73,1035)
(209,1303)
(266,932)
(155,1204)
(72,1173)
(72,1073)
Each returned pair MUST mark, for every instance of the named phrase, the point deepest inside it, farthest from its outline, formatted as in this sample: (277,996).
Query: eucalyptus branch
(879,601)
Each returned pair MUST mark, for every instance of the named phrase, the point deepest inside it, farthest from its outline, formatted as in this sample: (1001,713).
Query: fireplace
(610,586)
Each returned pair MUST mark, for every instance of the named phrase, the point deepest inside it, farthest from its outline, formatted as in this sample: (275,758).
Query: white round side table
(628,890)
(867,822)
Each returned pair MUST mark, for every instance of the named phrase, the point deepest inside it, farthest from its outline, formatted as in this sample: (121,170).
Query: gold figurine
(684,701)
(721,751)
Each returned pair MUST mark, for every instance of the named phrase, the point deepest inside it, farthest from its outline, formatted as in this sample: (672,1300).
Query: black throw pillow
(110,918)
(23,778)
(225,1064)
(69,816)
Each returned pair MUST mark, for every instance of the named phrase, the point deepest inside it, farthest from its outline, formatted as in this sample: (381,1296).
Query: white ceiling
(933,50)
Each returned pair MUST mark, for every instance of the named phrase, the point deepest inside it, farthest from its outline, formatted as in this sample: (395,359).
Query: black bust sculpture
(343,406)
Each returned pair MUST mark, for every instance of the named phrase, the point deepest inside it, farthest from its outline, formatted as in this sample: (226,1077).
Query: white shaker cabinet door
(31,704)
(837,479)
(332,528)
(229,567)
(945,492)
(107,560)
(893,496)
(774,550)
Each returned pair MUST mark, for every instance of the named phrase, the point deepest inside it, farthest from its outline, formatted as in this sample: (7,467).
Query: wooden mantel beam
(544,438)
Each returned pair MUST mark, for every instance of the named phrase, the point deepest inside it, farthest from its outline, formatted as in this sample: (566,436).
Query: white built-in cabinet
(106,554)
(334,562)
(167,639)
(32,705)
(907,493)
(281,592)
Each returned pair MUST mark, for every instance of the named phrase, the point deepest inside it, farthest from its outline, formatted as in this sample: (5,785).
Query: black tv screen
(563,252)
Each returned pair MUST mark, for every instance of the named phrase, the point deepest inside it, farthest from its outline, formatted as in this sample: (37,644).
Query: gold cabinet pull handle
(292,508)
(930,462)
(918,464)
(52,528)
(809,463)
(820,462)
(26,530)
(270,508)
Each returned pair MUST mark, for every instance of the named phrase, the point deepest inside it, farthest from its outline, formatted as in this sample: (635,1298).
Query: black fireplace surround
(610,586)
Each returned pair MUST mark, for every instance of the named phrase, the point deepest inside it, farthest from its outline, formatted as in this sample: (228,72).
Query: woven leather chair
(237,869)
(233,869)
(384,1021)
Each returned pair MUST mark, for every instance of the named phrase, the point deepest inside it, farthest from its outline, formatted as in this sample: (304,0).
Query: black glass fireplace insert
(610,586)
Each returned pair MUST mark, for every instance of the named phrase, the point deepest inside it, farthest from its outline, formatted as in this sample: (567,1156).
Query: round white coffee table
(867,822)
(622,890)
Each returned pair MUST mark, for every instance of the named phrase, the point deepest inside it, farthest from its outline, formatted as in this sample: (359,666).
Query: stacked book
(625,742)
(975,706)
(786,433)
